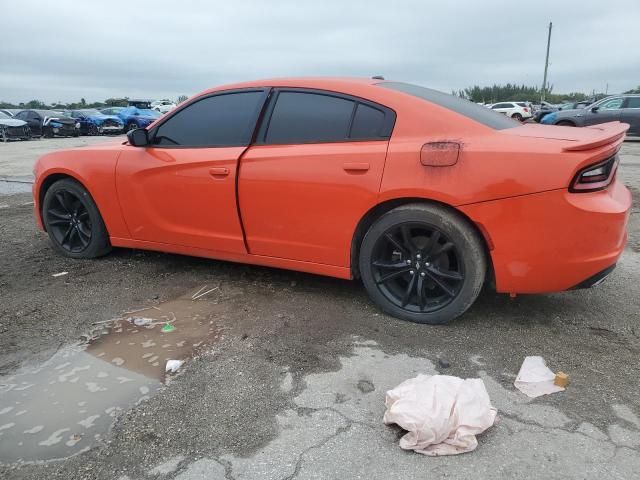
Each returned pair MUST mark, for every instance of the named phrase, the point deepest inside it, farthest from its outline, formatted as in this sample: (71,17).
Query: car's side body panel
(303,202)
(184,196)
(551,241)
(95,169)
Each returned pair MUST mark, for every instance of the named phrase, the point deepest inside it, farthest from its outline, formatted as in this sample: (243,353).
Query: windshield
(478,113)
(90,112)
(4,115)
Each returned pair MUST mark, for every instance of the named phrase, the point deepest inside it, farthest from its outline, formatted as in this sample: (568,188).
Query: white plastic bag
(535,378)
(443,414)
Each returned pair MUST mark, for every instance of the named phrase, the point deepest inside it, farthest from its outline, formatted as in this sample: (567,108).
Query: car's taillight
(526,109)
(595,177)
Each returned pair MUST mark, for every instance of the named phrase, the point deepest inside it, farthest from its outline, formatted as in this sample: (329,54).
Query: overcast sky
(63,50)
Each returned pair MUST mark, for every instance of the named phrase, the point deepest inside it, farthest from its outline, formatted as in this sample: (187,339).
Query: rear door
(181,189)
(631,114)
(313,173)
(503,108)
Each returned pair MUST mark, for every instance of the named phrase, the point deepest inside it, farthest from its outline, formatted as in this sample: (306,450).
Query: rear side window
(368,122)
(316,117)
(502,105)
(477,113)
(633,102)
(308,117)
(220,120)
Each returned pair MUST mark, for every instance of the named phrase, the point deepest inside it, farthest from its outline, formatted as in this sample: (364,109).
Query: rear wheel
(517,116)
(422,263)
(73,222)
(131,126)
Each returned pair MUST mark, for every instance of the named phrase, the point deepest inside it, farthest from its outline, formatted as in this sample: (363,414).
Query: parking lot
(287,372)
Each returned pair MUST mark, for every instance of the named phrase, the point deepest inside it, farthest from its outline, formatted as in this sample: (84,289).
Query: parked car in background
(162,106)
(540,114)
(139,103)
(134,117)
(49,123)
(94,122)
(111,110)
(346,177)
(13,128)
(513,109)
(623,108)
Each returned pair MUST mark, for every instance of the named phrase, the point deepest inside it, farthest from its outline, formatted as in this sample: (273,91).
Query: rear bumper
(556,240)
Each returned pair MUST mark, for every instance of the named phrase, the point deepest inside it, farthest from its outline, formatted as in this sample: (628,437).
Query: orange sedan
(422,195)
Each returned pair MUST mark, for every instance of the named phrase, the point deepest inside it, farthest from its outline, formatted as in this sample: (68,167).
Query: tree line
(512,92)
(109,102)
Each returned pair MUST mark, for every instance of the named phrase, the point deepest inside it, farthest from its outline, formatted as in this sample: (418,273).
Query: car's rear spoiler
(599,135)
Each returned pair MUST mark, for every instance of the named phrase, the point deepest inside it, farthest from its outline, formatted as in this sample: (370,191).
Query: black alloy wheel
(423,263)
(73,221)
(131,126)
(417,268)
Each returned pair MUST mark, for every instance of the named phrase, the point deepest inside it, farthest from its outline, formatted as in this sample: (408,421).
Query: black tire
(131,126)
(448,268)
(517,116)
(46,133)
(93,130)
(565,123)
(73,221)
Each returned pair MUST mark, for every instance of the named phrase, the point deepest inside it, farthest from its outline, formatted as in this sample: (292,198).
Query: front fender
(95,169)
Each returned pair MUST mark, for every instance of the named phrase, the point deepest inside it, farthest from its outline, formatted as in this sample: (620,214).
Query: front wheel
(73,222)
(422,263)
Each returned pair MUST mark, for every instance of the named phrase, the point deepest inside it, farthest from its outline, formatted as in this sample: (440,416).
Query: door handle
(355,166)
(219,171)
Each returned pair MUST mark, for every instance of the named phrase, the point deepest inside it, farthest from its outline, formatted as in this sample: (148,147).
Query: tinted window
(21,115)
(612,104)
(221,120)
(367,122)
(475,112)
(633,102)
(308,117)
(502,105)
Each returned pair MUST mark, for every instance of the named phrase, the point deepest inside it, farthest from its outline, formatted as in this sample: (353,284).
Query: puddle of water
(62,407)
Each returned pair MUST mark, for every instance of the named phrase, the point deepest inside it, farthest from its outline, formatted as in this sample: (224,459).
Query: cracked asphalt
(294,385)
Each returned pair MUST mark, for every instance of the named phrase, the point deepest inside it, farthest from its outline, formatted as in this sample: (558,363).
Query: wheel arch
(381,208)
(566,120)
(46,183)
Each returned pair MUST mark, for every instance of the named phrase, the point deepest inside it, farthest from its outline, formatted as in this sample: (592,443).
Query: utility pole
(546,66)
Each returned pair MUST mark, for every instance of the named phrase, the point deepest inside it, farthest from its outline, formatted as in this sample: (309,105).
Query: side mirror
(595,109)
(138,137)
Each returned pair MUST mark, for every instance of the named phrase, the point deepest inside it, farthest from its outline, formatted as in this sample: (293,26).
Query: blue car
(94,122)
(134,117)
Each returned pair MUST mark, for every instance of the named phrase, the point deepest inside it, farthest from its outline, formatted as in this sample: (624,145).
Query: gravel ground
(294,385)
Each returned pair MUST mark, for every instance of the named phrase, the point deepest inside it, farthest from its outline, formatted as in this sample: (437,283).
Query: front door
(181,189)
(313,174)
(607,111)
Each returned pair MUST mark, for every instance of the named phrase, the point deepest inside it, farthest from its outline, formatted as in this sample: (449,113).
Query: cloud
(68,49)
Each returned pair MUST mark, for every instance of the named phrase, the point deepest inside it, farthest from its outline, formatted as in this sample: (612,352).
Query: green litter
(168,328)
